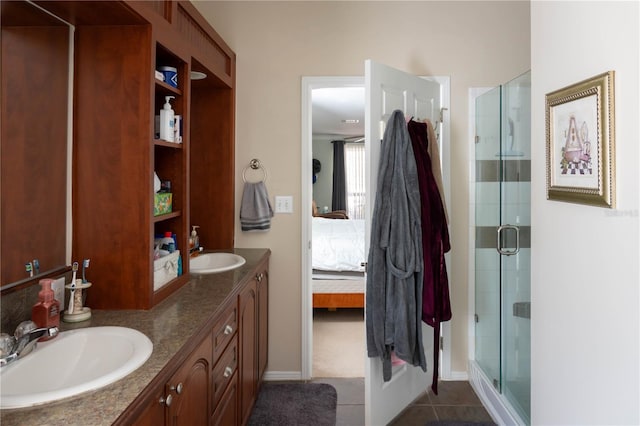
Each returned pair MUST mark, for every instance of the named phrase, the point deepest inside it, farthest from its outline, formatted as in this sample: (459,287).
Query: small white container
(165,269)
(167,121)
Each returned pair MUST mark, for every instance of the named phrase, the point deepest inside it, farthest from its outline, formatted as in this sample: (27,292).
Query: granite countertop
(169,325)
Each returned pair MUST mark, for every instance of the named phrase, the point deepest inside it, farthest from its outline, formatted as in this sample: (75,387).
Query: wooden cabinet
(226,356)
(262,288)
(153,412)
(118,47)
(218,382)
(189,388)
(226,412)
(248,360)
(183,399)
(253,312)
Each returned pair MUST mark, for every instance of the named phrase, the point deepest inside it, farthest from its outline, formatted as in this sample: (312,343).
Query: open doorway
(337,231)
(309,84)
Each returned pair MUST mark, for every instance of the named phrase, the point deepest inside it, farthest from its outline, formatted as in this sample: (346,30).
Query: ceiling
(335,109)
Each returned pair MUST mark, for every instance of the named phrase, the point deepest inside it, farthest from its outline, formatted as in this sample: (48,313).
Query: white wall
(277,43)
(585,279)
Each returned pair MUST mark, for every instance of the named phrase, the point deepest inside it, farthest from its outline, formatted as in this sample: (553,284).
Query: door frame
(308,84)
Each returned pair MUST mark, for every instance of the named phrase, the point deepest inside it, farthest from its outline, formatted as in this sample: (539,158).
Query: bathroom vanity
(209,332)
(209,357)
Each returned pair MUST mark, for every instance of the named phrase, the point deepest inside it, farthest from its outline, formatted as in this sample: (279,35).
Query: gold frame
(579,170)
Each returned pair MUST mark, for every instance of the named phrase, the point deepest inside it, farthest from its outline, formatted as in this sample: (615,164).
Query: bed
(337,257)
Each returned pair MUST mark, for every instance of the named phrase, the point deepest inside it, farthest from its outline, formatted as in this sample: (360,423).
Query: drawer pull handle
(228,330)
(227,372)
(178,388)
(166,401)
(259,277)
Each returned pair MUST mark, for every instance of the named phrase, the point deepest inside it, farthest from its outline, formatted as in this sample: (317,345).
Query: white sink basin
(211,263)
(74,362)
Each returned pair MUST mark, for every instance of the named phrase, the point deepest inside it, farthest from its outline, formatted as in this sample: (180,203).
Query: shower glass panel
(503,235)
(487,309)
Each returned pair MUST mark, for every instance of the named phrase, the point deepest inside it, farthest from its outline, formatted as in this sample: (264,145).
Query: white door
(387,89)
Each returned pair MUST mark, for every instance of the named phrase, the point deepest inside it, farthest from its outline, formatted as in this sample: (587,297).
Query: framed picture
(580,142)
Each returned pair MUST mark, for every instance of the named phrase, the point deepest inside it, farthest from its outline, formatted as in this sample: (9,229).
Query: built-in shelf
(160,142)
(161,85)
(167,216)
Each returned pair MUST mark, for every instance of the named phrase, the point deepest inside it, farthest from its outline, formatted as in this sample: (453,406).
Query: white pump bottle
(167,121)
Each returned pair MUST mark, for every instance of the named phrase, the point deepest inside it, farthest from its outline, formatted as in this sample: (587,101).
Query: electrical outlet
(58,291)
(284,204)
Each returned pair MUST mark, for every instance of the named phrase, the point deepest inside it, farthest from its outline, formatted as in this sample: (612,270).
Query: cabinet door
(153,414)
(248,366)
(189,388)
(263,321)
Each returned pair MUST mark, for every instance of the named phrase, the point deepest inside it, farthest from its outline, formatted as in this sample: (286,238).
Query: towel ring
(255,165)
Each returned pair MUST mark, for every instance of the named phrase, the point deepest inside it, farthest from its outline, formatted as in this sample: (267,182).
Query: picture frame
(580,130)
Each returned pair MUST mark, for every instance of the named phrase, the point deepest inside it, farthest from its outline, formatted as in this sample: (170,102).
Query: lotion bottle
(167,121)
(46,313)
(168,243)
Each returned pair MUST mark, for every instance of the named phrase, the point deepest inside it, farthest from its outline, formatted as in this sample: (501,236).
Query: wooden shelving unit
(116,151)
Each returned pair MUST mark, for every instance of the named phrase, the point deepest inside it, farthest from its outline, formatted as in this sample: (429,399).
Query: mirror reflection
(34,145)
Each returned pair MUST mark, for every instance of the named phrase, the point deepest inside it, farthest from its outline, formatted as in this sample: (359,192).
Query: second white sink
(211,263)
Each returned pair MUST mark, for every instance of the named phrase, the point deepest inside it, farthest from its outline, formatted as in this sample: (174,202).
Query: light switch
(284,204)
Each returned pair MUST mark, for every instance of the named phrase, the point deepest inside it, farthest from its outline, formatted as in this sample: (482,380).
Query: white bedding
(338,244)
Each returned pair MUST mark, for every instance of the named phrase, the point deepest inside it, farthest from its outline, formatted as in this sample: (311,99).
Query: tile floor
(455,402)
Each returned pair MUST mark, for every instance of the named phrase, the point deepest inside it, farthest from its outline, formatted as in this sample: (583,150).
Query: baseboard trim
(458,376)
(270,376)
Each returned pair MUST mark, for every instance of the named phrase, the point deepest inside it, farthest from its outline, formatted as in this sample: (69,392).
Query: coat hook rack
(440,120)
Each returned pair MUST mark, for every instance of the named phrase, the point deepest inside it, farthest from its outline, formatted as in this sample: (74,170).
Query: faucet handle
(7,342)
(25,327)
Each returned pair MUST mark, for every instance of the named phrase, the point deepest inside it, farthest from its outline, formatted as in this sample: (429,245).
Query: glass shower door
(502,246)
(514,244)
(487,261)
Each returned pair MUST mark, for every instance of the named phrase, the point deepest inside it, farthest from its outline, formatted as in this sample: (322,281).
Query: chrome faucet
(24,341)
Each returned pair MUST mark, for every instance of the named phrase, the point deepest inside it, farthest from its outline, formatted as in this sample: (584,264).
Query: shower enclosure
(501,370)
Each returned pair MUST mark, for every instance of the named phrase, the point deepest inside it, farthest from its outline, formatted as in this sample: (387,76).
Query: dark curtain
(339,197)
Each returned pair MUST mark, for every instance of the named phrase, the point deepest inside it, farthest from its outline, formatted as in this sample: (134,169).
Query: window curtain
(339,193)
(354,164)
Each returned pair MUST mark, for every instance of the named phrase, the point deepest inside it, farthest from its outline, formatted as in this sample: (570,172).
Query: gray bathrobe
(394,270)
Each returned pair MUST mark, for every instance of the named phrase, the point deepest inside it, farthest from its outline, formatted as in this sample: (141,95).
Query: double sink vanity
(208,325)
(209,353)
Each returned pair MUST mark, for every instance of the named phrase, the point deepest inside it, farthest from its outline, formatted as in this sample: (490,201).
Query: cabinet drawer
(226,412)
(224,370)
(224,330)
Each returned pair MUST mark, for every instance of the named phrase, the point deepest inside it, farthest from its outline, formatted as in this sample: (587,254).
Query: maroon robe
(436,306)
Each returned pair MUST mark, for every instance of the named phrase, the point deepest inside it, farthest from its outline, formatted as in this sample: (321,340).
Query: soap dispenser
(167,121)
(194,240)
(46,313)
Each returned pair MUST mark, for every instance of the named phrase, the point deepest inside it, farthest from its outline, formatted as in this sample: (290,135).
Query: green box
(162,203)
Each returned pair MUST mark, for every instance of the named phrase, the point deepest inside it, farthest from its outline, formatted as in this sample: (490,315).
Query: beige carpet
(338,343)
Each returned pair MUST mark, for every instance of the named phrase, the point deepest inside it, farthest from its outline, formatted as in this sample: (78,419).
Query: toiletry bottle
(167,121)
(168,243)
(194,240)
(46,313)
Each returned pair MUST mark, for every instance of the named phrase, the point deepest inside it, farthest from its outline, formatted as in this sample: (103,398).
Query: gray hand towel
(255,210)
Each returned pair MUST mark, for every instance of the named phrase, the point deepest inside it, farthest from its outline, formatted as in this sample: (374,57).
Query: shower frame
(499,365)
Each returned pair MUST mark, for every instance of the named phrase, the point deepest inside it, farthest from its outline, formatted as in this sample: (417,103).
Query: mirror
(36,134)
